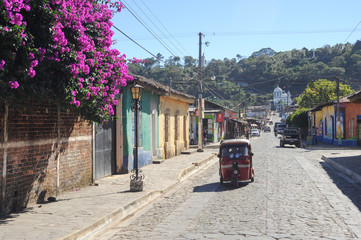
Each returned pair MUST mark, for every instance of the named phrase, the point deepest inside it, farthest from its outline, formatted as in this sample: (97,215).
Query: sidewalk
(81,212)
(345,159)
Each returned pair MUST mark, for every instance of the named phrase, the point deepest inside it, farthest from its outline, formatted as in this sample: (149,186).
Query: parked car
(291,136)
(255,132)
(280,128)
(275,126)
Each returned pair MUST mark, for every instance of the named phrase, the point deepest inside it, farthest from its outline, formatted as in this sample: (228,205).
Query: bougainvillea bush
(60,51)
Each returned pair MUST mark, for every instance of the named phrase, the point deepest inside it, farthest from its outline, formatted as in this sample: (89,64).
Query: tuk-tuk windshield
(234,151)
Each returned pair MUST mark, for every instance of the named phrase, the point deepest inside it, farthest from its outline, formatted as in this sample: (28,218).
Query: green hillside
(250,81)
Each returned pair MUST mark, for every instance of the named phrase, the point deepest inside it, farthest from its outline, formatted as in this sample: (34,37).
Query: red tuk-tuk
(235,161)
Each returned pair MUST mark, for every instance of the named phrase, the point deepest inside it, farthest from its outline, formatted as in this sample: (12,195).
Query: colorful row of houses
(219,122)
(163,128)
(348,131)
(167,119)
(45,150)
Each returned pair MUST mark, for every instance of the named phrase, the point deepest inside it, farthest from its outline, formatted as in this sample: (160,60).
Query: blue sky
(235,26)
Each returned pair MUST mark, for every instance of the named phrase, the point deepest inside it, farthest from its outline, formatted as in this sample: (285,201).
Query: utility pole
(200,110)
(338,122)
(287,106)
(170,85)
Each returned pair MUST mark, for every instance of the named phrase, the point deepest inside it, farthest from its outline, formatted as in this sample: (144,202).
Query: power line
(136,43)
(148,29)
(166,28)
(216,88)
(161,25)
(257,90)
(263,82)
(351,32)
(286,32)
(252,33)
(214,93)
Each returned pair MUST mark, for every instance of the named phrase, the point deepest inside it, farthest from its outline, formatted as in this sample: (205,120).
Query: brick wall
(39,139)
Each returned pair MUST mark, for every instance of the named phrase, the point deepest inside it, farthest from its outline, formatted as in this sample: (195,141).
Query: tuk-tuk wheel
(221,179)
(252,179)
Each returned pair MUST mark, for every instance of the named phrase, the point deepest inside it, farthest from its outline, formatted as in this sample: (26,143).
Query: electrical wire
(273,80)
(352,32)
(163,27)
(252,33)
(214,93)
(258,90)
(148,29)
(214,89)
(137,43)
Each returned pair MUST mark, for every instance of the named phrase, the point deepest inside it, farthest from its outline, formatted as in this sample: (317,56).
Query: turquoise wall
(144,150)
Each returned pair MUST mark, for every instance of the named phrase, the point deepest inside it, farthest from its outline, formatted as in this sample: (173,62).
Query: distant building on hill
(281,98)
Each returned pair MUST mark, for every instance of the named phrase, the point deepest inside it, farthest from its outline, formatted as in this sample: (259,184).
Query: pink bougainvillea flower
(17,20)
(96,71)
(31,56)
(14,84)
(2,63)
(32,72)
(34,63)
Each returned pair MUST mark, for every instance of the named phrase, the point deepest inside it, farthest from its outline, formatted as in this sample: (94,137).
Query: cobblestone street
(295,196)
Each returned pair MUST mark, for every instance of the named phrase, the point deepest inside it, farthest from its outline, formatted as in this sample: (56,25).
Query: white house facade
(281,98)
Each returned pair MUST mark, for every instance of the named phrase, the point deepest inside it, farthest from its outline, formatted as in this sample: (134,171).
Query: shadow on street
(218,187)
(350,189)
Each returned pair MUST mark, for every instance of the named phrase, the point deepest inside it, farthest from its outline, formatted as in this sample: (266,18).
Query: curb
(185,172)
(188,152)
(205,160)
(132,207)
(343,169)
(117,215)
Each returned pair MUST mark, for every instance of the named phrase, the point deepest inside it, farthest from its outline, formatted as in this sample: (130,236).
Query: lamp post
(136,179)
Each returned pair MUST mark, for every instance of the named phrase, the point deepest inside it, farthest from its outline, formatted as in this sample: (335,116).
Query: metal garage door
(104,149)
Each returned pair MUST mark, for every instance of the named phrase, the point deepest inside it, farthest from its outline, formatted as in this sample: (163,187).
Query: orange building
(324,117)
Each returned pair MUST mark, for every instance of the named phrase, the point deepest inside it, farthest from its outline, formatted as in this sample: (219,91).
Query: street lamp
(136,179)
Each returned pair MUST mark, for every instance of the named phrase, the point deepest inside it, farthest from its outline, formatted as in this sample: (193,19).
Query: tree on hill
(260,73)
(321,91)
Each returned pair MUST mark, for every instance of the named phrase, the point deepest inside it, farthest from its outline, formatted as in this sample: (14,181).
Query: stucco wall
(145,145)
(175,108)
(351,112)
(328,113)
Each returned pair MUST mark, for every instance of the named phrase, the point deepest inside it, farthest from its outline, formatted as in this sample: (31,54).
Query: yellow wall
(327,113)
(175,107)
(324,113)
(319,117)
